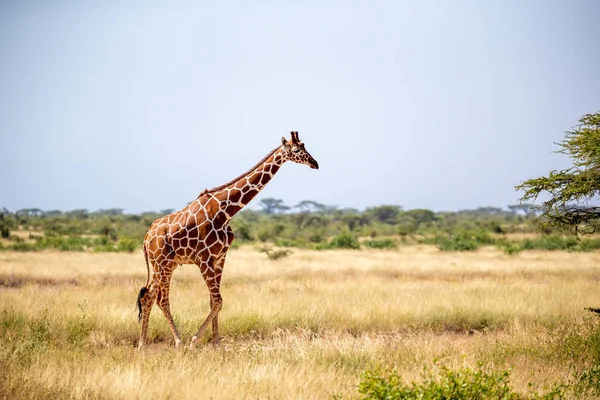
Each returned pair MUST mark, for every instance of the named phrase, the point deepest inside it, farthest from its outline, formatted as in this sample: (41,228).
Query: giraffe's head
(294,150)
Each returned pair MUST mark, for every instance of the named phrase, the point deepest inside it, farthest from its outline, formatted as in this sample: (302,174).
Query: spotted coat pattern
(200,234)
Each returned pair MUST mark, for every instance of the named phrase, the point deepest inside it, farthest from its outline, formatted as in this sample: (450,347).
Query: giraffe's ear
(284,141)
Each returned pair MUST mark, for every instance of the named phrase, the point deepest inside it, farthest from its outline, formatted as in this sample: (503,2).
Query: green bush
(550,242)
(588,245)
(264,235)
(588,381)
(316,237)
(274,254)
(380,243)
(510,248)
(127,245)
(110,232)
(461,241)
(22,247)
(63,243)
(442,383)
(344,240)
(283,242)
(7,223)
(243,232)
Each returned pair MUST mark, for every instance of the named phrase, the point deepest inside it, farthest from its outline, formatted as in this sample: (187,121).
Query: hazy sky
(141,105)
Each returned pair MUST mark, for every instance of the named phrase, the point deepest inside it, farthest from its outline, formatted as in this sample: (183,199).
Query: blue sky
(141,105)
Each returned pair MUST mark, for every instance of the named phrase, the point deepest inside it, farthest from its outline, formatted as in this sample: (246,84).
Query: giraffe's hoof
(178,345)
(216,341)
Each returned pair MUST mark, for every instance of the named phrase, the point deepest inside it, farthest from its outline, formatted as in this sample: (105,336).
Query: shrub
(588,244)
(380,243)
(551,242)
(23,247)
(344,240)
(7,222)
(127,245)
(496,227)
(274,254)
(461,241)
(16,239)
(510,248)
(290,243)
(242,232)
(110,232)
(441,383)
(263,235)
(71,244)
(316,237)
(588,381)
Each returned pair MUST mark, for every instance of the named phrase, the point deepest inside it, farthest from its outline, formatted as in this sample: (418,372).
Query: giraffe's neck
(238,193)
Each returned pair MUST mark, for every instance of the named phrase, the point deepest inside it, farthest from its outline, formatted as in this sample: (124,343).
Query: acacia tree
(271,206)
(572,194)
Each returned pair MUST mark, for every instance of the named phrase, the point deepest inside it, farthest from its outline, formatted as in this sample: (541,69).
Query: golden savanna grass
(305,326)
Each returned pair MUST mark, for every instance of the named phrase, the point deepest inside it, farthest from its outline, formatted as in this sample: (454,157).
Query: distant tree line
(308,224)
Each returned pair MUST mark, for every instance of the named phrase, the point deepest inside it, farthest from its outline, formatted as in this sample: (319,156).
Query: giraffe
(200,234)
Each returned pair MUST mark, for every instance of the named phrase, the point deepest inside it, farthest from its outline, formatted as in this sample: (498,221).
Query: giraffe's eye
(296,149)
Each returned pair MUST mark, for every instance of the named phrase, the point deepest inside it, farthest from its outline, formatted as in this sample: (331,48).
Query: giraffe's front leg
(216,302)
(217,287)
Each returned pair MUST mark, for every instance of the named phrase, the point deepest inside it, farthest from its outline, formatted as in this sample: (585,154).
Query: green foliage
(110,232)
(242,230)
(316,226)
(509,248)
(386,214)
(441,383)
(571,190)
(291,243)
(344,240)
(264,235)
(461,241)
(588,244)
(482,383)
(588,381)
(128,245)
(551,242)
(73,243)
(7,222)
(386,243)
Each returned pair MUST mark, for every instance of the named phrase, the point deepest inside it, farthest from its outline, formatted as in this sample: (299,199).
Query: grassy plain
(305,326)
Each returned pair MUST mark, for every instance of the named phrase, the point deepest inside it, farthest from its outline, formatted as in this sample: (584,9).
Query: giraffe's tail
(144,289)
(139,302)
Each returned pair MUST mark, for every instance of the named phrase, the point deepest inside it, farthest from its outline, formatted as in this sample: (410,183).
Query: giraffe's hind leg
(146,301)
(163,300)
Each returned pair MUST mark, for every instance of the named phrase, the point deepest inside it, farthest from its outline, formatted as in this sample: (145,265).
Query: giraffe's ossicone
(200,234)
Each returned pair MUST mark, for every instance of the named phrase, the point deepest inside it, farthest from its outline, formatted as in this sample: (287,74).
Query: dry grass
(302,327)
